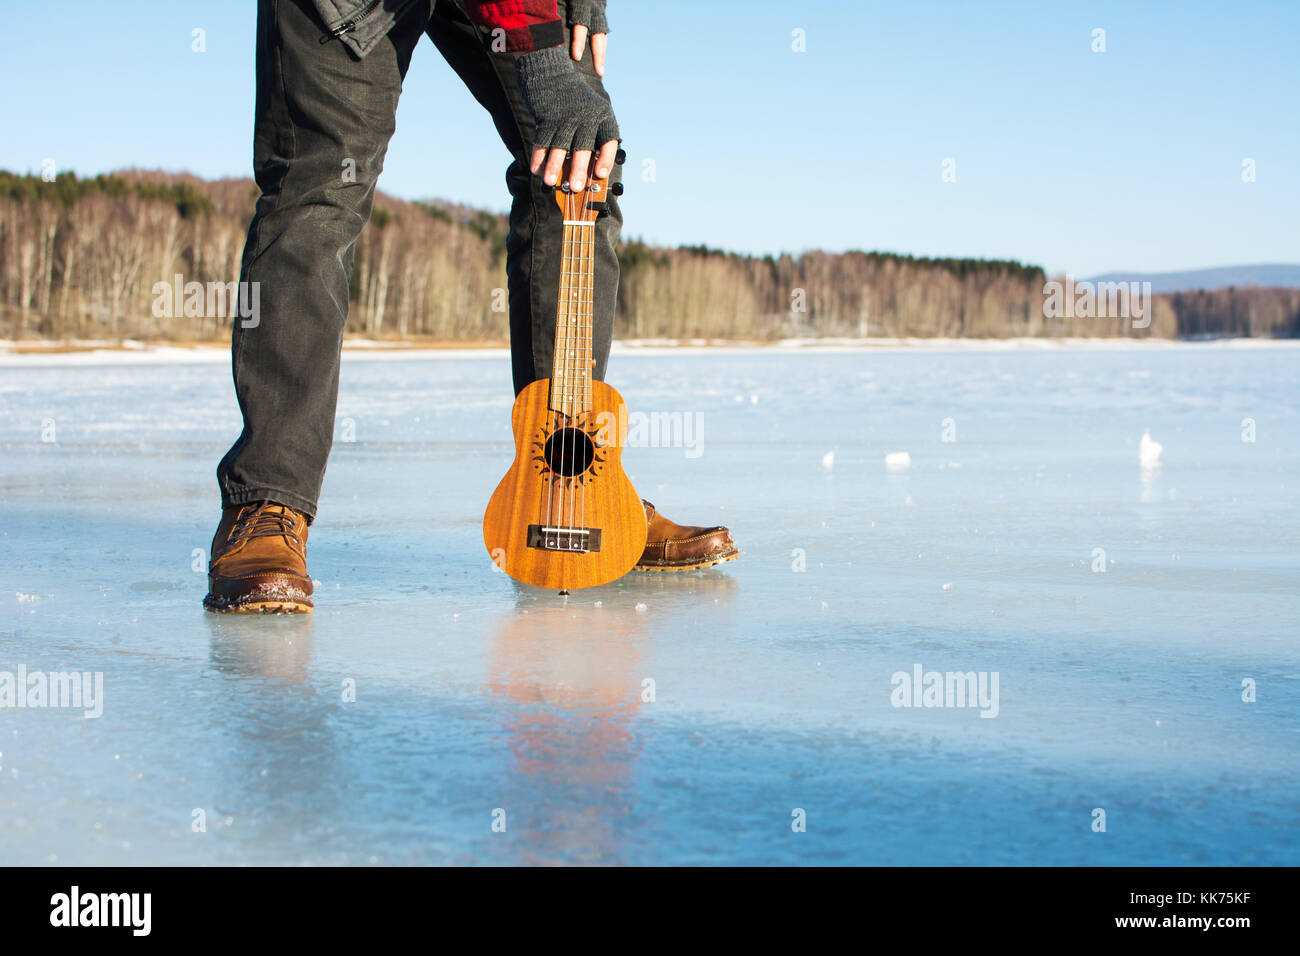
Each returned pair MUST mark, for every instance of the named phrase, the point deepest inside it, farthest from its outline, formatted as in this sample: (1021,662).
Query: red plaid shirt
(528,24)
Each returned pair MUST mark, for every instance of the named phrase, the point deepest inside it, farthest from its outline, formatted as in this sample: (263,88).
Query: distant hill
(1270,276)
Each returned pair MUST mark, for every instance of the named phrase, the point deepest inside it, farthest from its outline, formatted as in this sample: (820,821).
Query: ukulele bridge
(547,538)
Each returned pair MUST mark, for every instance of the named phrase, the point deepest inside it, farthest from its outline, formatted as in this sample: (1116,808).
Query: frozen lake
(477,700)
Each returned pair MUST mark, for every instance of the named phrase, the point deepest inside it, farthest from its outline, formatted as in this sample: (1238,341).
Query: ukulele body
(565,515)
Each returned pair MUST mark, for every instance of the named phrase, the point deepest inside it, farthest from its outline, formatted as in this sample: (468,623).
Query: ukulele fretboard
(572,366)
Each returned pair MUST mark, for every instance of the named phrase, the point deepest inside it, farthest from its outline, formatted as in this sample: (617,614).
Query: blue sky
(1075,160)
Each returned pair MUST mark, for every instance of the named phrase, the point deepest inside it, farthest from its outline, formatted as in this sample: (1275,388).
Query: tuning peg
(616,188)
(620,157)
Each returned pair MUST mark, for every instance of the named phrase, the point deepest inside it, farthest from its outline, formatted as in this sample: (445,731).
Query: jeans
(317,106)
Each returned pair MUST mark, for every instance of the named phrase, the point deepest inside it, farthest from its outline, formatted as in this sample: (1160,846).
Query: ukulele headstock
(587,205)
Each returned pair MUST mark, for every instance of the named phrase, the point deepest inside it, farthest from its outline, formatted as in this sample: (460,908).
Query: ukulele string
(557,520)
(579,443)
(585,328)
(555,400)
(565,459)
(554,466)
(573,359)
(576,299)
(587,332)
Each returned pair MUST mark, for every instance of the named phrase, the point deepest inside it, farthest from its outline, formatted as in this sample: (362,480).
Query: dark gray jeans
(317,105)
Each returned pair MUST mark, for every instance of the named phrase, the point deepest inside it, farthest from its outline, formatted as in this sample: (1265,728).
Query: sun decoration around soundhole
(568,451)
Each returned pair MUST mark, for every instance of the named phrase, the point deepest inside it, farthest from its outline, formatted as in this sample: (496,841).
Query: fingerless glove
(566,111)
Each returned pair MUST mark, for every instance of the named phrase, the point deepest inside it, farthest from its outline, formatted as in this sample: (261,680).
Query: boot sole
(260,607)
(712,562)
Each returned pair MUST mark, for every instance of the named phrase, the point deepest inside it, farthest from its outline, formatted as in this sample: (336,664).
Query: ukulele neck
(572,365)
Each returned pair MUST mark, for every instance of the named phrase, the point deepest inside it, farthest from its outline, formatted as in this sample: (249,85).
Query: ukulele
(565,515)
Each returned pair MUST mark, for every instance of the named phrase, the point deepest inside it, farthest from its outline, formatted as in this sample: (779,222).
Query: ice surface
(675,718)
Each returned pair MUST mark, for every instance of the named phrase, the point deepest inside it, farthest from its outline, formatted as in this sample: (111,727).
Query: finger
(539,154)
(579,41)
(554,164)
(605,158)
(598,43)
(578,169)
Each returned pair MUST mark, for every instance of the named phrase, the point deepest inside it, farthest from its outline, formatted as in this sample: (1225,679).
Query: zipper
(347,25)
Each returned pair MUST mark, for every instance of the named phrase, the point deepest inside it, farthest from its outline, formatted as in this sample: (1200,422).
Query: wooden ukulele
(565,515)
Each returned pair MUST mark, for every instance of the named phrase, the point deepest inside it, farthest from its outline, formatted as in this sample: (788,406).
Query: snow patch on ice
(1149,451)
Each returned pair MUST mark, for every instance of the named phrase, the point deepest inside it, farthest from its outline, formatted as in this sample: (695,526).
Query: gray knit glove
(567,112)
(588,13)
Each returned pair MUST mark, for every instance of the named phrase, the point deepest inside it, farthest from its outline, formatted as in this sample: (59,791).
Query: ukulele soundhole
(569,452)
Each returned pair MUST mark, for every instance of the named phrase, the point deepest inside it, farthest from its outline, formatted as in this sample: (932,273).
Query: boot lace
(264,521)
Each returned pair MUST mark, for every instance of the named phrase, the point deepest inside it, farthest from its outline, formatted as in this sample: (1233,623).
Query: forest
(82,258)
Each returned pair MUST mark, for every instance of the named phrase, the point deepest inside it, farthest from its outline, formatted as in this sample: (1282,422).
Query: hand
(569,116)
(588,17)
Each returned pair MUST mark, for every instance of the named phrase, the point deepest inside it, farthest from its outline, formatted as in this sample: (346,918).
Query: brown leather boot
(673,547)
(259,561)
